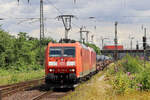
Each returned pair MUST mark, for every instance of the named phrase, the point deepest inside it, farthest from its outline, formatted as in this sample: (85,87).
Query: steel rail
(13,88)
(16,84)
(41,95)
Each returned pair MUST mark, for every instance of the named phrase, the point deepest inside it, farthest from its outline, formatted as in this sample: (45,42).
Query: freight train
(103,61)
(69,62)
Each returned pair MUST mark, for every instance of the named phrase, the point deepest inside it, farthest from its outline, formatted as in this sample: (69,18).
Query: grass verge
(99,88)
(94,89)
(11,76)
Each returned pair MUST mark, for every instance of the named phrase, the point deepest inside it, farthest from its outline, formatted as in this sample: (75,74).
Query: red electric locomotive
(68,62)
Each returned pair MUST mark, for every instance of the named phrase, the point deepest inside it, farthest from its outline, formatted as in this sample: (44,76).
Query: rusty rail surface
(13,88)
(42,95)
(51,95)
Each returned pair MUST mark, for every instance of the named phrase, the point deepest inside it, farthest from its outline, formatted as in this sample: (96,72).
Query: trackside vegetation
(129,75)
(127,79)
(12,76)
(96,49)
(21,56)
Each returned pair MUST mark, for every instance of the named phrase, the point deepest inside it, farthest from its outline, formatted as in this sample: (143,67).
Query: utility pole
(137,46)
(41,26)
(131,42)
(66,19)
(116,52)
(87,36)
(103,41)
(41,20)
(116,40)
(144,46)
(92,38)
(81,34)
(83,40)
(74,1)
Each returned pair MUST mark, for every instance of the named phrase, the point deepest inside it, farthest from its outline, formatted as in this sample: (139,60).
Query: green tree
(97,49)
(21,52)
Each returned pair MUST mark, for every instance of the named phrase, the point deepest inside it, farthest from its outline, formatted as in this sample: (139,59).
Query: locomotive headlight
(72,70)
(52,63)
(71,63)
(50,70)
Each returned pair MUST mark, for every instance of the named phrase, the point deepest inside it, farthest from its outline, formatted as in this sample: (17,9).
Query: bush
(96,49)
(121,83)
(144,79)
(130,75)
(132,64)
(21,53)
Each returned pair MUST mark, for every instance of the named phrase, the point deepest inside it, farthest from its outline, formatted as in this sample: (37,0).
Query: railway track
(8,90)
(51,95)
(41,95)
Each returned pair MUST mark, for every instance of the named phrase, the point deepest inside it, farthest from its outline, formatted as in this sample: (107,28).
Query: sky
(131,15)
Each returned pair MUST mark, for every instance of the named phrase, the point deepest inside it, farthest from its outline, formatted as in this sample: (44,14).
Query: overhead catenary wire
(60,12)
(54,6)
(87,17)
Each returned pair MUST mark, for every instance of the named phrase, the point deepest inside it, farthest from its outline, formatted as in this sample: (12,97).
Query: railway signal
(144,42)
(144,39)
(92,38)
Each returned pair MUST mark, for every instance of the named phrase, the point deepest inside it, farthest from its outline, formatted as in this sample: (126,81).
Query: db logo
(62,63)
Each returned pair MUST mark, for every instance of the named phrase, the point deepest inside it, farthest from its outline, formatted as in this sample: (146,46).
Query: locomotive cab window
(62,51)
(55,52)
(69,52)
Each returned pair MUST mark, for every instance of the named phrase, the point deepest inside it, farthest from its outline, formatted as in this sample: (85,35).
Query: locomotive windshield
(69,52)
(55,52)
(62,51)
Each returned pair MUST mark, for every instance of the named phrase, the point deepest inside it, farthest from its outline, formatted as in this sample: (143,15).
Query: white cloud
(130,14)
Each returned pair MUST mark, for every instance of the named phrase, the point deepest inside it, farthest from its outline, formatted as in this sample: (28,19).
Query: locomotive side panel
(85,61)
(46,61)
(93,61)
(78,61)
